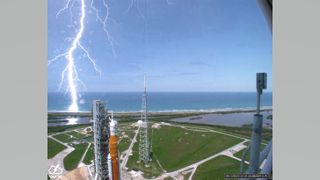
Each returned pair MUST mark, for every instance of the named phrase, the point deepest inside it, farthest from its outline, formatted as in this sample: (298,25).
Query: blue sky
(181,45)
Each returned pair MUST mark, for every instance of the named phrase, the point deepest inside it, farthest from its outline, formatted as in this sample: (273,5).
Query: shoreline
(165,112)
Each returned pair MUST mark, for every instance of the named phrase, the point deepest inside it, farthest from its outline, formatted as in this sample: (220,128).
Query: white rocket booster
(110,166)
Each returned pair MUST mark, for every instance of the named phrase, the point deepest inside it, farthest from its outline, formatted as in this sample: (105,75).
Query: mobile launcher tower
(105,143)
(101,139)
(144,146)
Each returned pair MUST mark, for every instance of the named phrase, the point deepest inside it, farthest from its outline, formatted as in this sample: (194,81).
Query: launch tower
(101,139)
(144,147)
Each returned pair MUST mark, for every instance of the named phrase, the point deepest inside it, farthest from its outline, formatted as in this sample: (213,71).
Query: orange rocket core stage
(114,157)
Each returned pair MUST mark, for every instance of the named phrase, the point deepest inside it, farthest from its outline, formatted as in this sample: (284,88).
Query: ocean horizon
(162,101)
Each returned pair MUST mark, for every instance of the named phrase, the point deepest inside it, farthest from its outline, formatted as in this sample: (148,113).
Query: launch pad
(177,147)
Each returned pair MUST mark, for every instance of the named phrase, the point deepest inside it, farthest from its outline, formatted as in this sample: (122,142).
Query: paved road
(129,151)
(125,174)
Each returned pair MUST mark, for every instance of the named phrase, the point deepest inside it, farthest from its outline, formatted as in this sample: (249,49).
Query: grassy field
(89,156)
(76,134)
(124,144)
(66,138)
(69,137)
(177,147)
(149,172)
(71,161)
(130,133)
(217,168)
(243,131)
(154,117)
(54,148)
(57,129)
(126,125)
(127,118)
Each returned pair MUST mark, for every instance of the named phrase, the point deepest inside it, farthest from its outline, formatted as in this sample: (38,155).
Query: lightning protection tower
(144,147)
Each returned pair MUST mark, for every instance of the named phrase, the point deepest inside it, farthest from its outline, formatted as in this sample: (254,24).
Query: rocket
(109,167)
(113,160)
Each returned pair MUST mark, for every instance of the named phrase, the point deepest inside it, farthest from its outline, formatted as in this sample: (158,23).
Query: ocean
(162,101)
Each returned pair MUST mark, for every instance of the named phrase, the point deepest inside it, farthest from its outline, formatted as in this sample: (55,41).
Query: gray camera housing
(261,81)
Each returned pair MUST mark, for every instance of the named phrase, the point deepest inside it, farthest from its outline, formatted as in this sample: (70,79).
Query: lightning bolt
(70,73)
(104,22)
(132,2)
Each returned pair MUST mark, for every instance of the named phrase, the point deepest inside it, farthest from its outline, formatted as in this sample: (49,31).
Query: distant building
(101,139)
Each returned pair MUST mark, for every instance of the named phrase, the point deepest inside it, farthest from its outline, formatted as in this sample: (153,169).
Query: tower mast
(144,149)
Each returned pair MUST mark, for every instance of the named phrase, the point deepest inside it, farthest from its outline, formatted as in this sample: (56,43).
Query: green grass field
(124,144)
(72,160)
(54,148)
(149,172)
(89,156)
(130,133)
(76,134)
(69,137)
(244,131)
(217,168)
(56,129)
(66,138)
(176,147)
